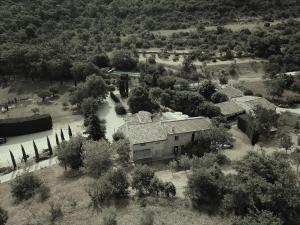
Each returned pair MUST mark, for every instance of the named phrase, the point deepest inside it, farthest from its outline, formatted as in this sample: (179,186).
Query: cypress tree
(24,153)
(70,131)
(49,146)
(13,159)
(56,139)
(36,152)
(96,128)
(62,135)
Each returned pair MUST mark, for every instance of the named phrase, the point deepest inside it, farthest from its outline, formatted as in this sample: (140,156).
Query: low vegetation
(3,216)
(26,186)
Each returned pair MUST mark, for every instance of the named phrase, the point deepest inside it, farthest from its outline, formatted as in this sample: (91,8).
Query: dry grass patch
(70,195)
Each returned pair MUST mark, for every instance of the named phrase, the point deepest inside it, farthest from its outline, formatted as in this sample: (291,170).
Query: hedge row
(246,124)
(25,125)
(114,97)
(120,109)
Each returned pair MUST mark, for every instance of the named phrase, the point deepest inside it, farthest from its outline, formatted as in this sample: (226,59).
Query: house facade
(159,140)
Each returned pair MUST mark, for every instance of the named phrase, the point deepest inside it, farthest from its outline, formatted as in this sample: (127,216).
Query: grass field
(258,87)
(28,89)
(247,69)
(236,26)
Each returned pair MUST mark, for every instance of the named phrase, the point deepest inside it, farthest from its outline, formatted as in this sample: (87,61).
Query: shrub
(206,187)
(259,218)
(223,79)
(173,166)
(208,160)
(89,106)
(69,153)
(25,186)
(147,217)
(109,217)
(100,193)
(156,186)
(114,97)
(185,162)
(218,97)
(207,109)
(151,60)
(123,149)
(118,136)
(123,60)
(54,89)
(169,189)
(248,92)
(100,60)
(43,94)
(207,88)
(141,179)
(3,216)
(44,193)
(120,109)
(55,212)
(35,110)
(96,157)
(286,142)
(119,182)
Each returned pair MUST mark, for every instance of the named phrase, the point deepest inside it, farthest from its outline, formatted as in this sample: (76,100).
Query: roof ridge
(189,118)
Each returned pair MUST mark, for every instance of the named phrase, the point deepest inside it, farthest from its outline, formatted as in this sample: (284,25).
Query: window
(193,137)
(143,144)
(176,151)
(176,138)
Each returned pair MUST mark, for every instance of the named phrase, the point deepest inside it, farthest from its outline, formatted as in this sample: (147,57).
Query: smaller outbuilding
(230,109)
(249,103)
(230,91)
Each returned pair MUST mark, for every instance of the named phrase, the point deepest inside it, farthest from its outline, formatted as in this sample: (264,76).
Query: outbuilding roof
(230,91)
(251,102)
(230,108)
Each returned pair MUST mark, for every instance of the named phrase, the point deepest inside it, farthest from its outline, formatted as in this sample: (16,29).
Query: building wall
(162,149)
(156,149)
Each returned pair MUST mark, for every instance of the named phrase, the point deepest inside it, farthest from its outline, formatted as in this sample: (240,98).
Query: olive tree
(97,158)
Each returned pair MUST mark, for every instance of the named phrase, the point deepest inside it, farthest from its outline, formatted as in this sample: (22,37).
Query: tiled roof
(140,117)
(158,131)
(186,125)
(146,132)
(230,108)
(230,92)
(250,102)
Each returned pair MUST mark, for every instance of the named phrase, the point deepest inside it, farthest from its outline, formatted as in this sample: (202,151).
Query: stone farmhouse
(152,140)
